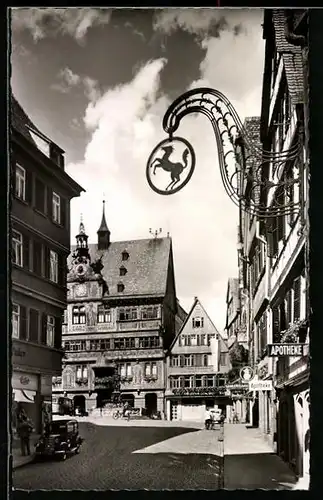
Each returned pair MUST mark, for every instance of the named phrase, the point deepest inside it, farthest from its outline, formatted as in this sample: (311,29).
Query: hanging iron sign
(276,350)
(246,374)
(170,165)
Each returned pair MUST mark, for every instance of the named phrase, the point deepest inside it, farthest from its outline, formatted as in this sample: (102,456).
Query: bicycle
(119,414)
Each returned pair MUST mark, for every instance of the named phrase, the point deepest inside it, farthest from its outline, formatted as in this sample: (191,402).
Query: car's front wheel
(77,451)
(63,456)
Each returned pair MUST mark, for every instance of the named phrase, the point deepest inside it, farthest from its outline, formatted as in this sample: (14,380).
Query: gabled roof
(292,57)
(189,316)
(147,266)
(21,122)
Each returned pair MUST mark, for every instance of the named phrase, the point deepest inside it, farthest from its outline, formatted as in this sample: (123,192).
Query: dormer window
(122,271)
(120,287)
(125,255)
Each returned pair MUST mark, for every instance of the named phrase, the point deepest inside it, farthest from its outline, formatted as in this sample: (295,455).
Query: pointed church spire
(103,232)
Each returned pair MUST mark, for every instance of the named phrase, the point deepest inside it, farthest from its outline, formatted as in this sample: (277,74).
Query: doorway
(129,398)
(79,402)
(255,413)
(151,403)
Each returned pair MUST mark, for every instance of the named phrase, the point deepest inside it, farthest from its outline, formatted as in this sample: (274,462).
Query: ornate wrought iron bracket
(253,178)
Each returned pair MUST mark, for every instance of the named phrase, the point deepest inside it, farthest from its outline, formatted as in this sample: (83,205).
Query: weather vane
(242,160)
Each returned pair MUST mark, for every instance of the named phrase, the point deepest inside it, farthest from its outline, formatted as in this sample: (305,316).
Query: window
(104,314)
(125,370)
(122,271)
(50,331)
(120,288)
(174,361)
(205,359)
(193,340)
(198,322)
(151,369)
(33,325)
(37,257)
(78,315)
(188,360)
(56,208)
(53,269)
(127,314)
(174,382)
(20,182)
(209,381)
(223,358)
(17,248)
(40,196)
(79,372)
(149,342)
(203,339)
(198,380)
(186,340)
(119,343)
(209,337)
(104,344)
(15,321)
(125,255)
(149,312)
(297,298)
(262,333)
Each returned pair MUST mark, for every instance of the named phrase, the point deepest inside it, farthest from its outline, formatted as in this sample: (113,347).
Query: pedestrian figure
(100,411)
(207,419)
(235,418)
(24,429)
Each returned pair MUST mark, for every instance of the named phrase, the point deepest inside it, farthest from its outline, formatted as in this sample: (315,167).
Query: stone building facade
(40,233)
(121,311)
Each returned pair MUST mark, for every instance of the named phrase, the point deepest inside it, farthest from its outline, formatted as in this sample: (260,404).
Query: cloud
(50,21)
(201,22)
(125,124)
(68,80)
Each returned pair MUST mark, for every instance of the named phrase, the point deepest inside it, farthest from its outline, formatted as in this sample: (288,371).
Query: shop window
(78,315)
(104,314)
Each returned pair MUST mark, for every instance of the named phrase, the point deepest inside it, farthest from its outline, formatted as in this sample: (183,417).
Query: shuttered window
(29,187)
(58,333)
(33,325)
(40,195)
(23,323)
(276,328)
(37,257)
(26,252)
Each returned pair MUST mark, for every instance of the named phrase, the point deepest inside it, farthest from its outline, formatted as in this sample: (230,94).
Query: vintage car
(61,438)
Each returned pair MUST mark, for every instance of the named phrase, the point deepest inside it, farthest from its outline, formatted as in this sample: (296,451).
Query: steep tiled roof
(292,57)
(20,120)
(146,267)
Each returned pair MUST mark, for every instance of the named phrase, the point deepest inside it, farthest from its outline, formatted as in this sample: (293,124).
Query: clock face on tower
(80,290)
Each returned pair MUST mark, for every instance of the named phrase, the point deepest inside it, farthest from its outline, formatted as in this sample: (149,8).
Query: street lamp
(244,166)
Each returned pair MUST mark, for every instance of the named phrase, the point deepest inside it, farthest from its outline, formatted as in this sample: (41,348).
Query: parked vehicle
(62,406)
(60,439)
(119,413)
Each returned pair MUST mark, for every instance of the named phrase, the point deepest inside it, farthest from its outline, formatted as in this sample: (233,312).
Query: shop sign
(246,373)
(22,380)
(260,385)
(286,350)
(237,387)
(199,391)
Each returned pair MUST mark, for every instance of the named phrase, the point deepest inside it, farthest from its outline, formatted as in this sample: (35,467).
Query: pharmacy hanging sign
(277,350)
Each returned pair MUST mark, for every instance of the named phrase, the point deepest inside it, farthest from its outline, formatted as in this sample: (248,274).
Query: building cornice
(39,233)
(18,287)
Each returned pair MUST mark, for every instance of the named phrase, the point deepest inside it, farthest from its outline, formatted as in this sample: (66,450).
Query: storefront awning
(24,396)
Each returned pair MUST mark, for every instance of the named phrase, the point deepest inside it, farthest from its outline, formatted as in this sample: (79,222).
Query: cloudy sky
(98,83)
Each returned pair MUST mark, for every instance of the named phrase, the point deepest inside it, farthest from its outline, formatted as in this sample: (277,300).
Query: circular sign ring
(150,163)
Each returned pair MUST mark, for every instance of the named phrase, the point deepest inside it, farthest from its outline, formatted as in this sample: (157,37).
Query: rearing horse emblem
(176,169)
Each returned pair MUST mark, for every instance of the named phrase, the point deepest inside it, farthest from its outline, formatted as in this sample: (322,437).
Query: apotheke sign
(286,350)
(260,385)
